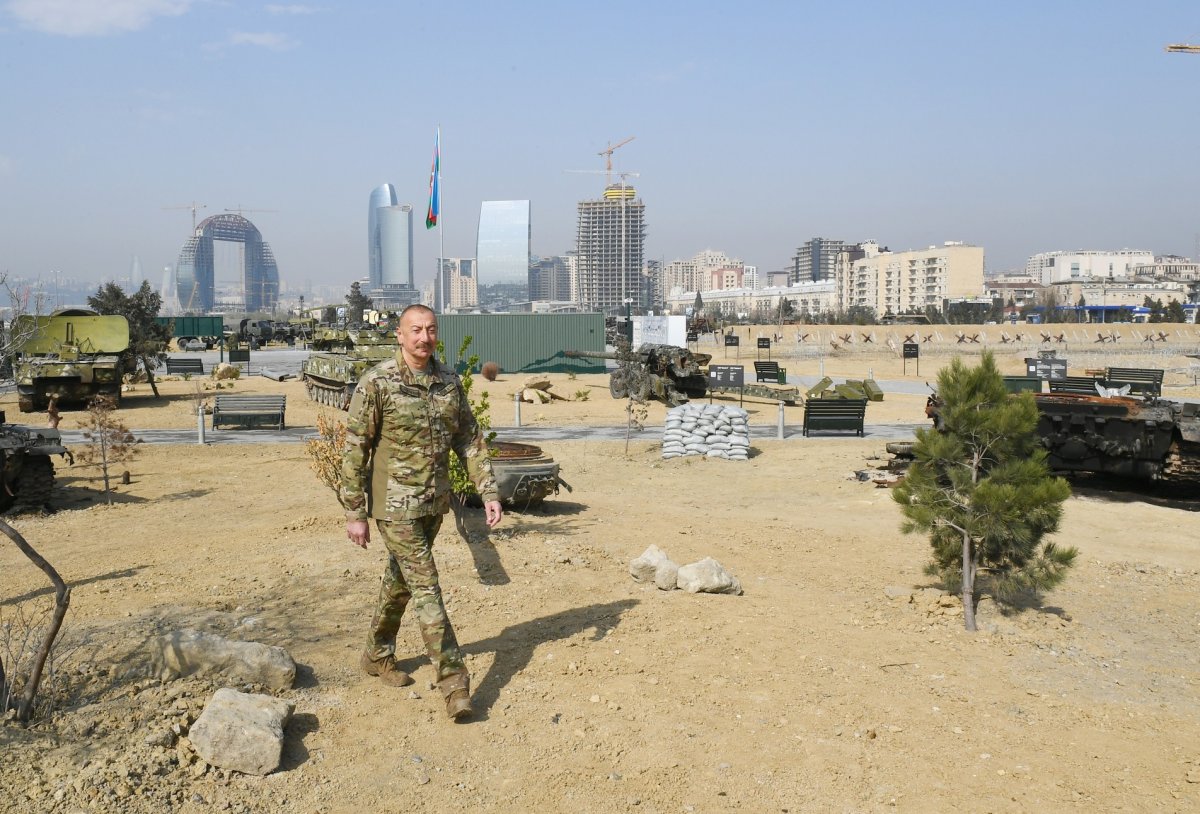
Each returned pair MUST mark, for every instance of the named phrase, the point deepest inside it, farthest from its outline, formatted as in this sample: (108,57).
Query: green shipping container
(526,343)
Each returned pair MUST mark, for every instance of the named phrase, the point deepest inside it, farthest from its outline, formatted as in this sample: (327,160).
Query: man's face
(417,334)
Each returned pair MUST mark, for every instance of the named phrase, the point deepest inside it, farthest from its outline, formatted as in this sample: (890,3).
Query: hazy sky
(1018,126)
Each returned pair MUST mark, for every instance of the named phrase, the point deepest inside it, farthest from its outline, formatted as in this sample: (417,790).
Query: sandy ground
(814,691)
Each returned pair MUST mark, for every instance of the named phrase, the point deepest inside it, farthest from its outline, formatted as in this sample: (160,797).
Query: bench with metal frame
(1140,380)
(1076,385)
(770,372)
(176,367)
(834,414)
(249,411)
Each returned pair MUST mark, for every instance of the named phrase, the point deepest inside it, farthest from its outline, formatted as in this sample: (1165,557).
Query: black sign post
(726,376)
(733,341)
(764,343)
(912,351)
(693,337)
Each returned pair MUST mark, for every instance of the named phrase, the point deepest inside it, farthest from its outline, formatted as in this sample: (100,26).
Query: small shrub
(326,449)
(582,395)
(187,377)
(490,371)
(572,375)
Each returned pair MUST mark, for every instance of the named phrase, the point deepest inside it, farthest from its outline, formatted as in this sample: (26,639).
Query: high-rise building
(457,285)
(1055,267)
(390,250)
(911,281)
(817,259)
(502,244)
(609,247)
(696,274)
(550,278)
(196,270)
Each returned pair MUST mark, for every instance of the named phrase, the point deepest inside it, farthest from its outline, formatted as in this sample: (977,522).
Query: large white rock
(707,576)
(241,732)
(666,575)
(643,568)
(190,652)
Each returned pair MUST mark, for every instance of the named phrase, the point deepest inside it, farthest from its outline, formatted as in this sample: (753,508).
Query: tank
(27,470)
(1150,438)
(73,355)
(525,476)
(339,359)
(673,375)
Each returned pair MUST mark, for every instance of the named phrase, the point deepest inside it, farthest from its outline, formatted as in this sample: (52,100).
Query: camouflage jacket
(399,434)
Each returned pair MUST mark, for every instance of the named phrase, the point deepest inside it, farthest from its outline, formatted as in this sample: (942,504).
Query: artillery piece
(664,373)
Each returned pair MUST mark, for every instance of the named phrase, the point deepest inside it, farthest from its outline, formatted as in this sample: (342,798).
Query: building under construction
(609,250)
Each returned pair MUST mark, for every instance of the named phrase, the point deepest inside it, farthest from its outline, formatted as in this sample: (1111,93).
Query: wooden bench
(834,414)
(1078,385)
(770,372)
(1140,380)
(186,365)
(249,411)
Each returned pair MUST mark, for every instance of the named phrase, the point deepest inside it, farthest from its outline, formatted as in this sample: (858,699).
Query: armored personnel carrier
(25,465)
(339,359)
(672,375)
(74,354)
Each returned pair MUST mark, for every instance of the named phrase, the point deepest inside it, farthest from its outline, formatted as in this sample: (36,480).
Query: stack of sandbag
(711,430)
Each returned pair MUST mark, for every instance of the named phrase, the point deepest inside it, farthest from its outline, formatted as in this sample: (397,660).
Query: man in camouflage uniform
(406,415)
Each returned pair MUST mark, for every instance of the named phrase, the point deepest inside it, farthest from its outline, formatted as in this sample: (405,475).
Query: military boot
(386,670)
(457,689)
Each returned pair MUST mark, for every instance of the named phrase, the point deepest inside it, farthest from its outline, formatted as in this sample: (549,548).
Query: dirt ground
(814,691)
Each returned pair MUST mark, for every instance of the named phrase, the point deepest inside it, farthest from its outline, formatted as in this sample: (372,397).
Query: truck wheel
(616,385)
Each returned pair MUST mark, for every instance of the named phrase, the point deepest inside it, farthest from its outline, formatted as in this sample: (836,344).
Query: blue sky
(1021,127)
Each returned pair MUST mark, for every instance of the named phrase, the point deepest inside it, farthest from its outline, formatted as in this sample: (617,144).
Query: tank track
(335,397)
(1182,464)
(33,486)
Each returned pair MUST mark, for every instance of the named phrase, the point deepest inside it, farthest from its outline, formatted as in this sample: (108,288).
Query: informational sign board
(239,356)
(693,337)
(661,329)
(732,340)
(764,343)
(1046,367)
(726,376)
(912,350)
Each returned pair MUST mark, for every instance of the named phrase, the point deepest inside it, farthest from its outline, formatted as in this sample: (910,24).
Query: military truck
(339,359)
(25,465)
(73,355)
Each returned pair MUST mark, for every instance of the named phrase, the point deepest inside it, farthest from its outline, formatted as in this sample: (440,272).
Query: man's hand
(359,532)
(493,512)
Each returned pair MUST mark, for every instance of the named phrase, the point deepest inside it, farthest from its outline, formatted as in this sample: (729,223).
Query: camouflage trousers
(411,576)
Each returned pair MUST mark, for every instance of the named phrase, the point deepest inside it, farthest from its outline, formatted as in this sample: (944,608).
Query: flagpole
(441,247)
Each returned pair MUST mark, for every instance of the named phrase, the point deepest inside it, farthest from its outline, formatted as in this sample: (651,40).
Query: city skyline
(1024,129)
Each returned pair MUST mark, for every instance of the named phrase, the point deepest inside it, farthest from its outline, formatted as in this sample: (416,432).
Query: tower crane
(1181,48)
(240,210)
(607,153)
(192,206)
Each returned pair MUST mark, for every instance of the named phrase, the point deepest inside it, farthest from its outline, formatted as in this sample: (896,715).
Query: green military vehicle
(72,355)
(25,465)
(340,357)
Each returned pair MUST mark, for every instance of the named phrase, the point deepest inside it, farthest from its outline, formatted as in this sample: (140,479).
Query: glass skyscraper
(390,249)
(502,247)
(383,195)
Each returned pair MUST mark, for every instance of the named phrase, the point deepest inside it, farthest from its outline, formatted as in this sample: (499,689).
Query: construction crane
(607,153)
(608,173)
(1180,48)
(240,210)
(192,206)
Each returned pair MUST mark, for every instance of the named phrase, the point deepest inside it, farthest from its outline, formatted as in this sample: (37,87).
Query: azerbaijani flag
(435,175)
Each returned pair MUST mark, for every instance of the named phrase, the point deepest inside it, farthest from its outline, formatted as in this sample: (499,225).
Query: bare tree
(109,440)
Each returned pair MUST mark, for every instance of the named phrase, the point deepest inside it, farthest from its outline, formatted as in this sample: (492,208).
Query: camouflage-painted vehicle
(25,465)
(1148,438)
(671,375)
(525,476)
(74,355)
(340,357)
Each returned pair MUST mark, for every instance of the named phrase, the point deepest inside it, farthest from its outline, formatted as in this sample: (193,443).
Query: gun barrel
(589,354)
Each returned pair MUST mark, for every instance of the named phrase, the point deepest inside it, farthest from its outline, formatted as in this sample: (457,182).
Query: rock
(708,576)
(241,732)
(224,370)
(534,396)
(644,567)
(666,575)
(537,383)
(898,592)
(190,652)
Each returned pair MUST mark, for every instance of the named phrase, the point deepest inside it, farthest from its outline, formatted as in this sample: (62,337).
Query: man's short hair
(416,306)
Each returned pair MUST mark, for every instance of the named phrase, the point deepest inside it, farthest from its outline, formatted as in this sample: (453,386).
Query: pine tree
(981,489)
(356,303)
(148,339)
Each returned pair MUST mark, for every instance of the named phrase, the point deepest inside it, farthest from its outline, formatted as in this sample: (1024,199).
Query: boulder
(666,575)
(241,732)
(643,568)
(537,383)
(708,576)
(190,652)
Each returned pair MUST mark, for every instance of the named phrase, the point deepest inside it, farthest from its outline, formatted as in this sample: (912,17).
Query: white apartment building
(808,299)
(1169,267)
(910,281)
(696,274)
(1055,267)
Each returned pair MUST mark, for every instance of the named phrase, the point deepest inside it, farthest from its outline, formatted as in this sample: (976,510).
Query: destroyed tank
(525,476)
(339,359)
(1149,438)
(71,356)
(27,471)
(665,373)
